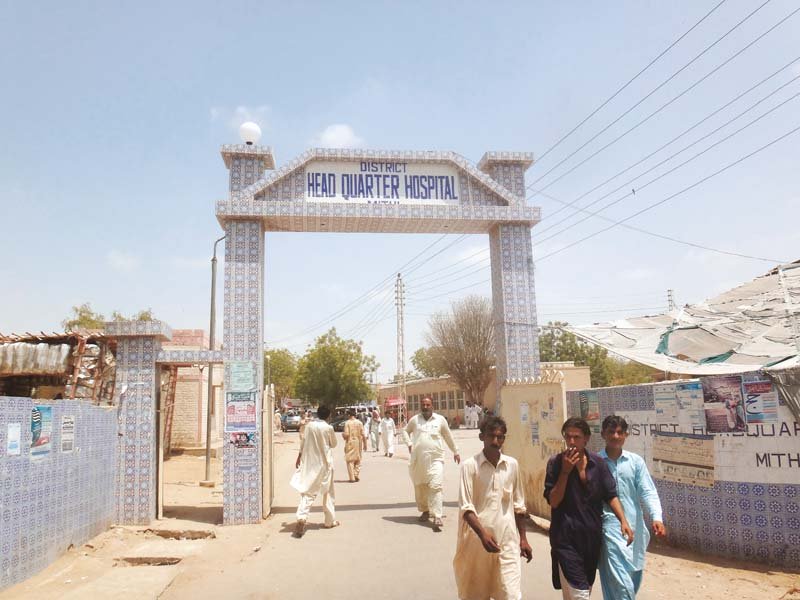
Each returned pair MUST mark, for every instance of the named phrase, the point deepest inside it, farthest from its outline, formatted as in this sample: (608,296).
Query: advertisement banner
(684,458)
(761,402)
(67,434)
(243,376)
(240,411)
(13,445)
(724,404)
(666,403)
(590,409)
(41,431)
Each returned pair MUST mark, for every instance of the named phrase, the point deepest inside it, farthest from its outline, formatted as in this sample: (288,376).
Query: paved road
(380,551)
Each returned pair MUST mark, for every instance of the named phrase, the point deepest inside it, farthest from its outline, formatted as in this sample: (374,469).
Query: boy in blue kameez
(621,565)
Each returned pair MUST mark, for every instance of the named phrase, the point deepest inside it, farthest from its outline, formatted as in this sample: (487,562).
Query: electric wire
(675,195)
(663,146)
(668,172)
(630,81)
(669,102)
(653,91)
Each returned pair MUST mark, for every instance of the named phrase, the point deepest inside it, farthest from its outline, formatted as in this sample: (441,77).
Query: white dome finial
(250,133)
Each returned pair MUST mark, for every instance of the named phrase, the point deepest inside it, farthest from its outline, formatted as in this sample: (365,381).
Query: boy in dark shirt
(576,485)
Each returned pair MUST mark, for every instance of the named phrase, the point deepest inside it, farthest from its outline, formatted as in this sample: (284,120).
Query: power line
(676,194)
(676,138)
(348,307)
(450,266)
(668,172)
(669,102)
(630,81)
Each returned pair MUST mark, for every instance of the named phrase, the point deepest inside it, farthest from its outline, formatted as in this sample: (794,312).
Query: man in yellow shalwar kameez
(354,442)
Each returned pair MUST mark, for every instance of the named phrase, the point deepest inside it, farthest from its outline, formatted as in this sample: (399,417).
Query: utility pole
(400,302)
(671,300)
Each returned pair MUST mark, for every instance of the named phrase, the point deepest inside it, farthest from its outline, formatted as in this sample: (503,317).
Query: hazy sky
(113,117)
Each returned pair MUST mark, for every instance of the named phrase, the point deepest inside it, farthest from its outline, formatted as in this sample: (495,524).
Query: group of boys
(596,502)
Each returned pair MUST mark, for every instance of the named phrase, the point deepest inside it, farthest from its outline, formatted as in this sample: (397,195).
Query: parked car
(290,422)
(338,423)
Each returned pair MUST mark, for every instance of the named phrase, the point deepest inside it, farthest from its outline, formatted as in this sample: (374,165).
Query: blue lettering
(395,185)
(368,187)
(345,186)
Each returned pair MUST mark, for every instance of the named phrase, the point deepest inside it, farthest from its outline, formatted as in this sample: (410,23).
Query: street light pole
(210,401)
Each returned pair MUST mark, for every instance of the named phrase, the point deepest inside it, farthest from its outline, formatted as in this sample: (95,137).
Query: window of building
(451,399)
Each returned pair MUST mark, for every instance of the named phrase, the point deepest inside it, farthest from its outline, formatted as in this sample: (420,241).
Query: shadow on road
(201,514)
(282,510)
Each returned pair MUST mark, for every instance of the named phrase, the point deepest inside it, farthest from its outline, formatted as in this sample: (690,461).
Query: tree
(280,366)
(334,372)
(464,342)
(83,317)
(556,344)
(427,363)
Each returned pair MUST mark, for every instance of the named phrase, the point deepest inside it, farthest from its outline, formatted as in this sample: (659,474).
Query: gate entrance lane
(343,190)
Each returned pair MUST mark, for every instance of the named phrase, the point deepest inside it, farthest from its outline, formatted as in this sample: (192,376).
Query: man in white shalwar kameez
(491,525)
(387,435)
(314,473)
(424,435)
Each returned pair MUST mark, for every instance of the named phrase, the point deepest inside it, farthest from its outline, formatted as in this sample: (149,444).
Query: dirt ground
(380,548)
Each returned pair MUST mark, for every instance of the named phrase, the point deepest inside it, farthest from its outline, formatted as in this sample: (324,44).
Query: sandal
(332,525)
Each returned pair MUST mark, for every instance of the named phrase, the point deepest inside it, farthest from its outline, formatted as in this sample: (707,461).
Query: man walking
(621,565)
(314,473)
(576,484)
(491,534)
(374,429)
(354,442)
(427,430)
(387,435)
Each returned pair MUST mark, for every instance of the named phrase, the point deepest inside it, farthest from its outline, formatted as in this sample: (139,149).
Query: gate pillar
(513,291)
(243,334)
(138,343)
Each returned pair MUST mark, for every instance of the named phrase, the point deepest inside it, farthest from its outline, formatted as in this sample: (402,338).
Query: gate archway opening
(366,191)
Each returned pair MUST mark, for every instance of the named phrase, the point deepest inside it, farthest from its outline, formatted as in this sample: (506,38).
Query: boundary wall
(749,506)
(56,499)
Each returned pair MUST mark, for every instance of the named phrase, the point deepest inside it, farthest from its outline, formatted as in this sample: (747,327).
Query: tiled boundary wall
(50,502)
(752,512)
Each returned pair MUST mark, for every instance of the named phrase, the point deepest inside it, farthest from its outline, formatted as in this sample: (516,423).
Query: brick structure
(191,396)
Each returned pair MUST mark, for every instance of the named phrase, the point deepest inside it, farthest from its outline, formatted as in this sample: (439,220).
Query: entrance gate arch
(343,190)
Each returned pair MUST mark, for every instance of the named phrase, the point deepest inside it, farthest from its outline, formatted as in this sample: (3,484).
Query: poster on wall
(243,439)
(689,396)
(245,458)
(535,432)
(590,409)
(13,445)
(67,434)
(724,404)
(666,403)
(243,376)
(684,458)
(240,411)
(524,409)
(41,431)
(761,402)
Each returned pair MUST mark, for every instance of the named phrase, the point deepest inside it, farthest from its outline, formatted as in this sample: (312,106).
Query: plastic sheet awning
(751,327)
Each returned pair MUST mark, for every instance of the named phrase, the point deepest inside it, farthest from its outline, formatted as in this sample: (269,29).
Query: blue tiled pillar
(138,344)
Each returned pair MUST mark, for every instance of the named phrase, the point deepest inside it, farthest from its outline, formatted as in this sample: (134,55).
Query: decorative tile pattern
(347,155)
(514,302)
(156,329)
(60,499)
(299,215)
(189,357)
(135,398)
(243,337)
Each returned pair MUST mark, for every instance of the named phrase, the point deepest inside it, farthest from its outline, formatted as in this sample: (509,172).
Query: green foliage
(142,315)
(334,372)
(83,317)
(425,361)
(280,368)
(556,344)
